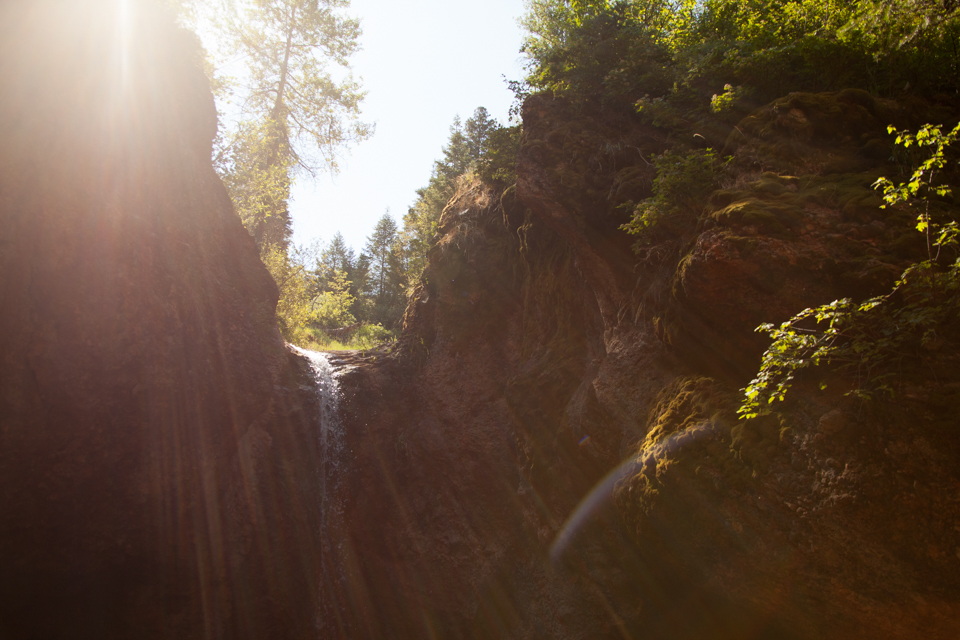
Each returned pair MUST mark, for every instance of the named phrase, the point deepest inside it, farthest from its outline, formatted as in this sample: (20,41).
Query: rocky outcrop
(553,449)
(157,468)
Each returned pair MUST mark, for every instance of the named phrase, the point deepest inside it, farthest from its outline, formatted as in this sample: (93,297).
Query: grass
(361,339)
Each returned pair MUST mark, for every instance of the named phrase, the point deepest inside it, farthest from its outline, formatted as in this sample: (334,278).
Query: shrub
(683,183)
(870,337)
(293,281)
(331,308)
(370,335)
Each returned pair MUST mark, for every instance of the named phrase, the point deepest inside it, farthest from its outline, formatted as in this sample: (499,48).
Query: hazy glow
(124,27)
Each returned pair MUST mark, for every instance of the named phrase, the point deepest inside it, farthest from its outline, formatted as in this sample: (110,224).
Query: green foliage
(297,114)
(477,132)
(293,106)
(387,276)
(288,46)
(728,99)
(598,50)
(366,336)
(683,183)
(617,51)
(922,185)
(865,339)
(294,308)
(331,308)
(258,184)
(299,108)
(380,245)
(869,338)
(896,23)
(336,258)
(498,162)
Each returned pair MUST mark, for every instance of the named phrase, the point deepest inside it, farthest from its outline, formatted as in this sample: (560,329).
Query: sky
(422,63)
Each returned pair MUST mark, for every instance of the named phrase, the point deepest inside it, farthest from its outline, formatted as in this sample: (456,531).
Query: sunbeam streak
(124,30)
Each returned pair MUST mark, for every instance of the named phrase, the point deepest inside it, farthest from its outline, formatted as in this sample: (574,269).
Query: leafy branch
(868,338)
(864,339)
(921,185)
(683,183)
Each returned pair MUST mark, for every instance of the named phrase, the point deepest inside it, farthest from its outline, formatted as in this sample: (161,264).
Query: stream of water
(331,429)
(331,454)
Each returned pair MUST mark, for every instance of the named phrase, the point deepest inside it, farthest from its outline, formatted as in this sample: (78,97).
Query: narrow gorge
(550,450)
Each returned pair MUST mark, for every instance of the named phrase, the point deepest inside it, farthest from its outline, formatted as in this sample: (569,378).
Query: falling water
(331,430)
(331,450)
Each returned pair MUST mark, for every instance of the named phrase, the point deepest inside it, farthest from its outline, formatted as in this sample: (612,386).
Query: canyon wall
(552,450)
(157,455)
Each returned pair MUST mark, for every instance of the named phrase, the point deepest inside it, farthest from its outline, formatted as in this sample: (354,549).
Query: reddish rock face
(553,450)
(154,473)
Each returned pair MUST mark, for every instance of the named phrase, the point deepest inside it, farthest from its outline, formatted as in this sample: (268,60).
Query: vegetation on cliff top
(615,52)
(678,62)
(298,106)
(702,66)
(300,103)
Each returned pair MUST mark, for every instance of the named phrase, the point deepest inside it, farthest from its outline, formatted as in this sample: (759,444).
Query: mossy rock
(862,98)
(687,401)
(863,208)
(847,163)
(775,204)
(725,197)
(876,149)
(825,133)
(770,217)
(745,245)
(774,185)
(840,190)
(686,466)
(831,116)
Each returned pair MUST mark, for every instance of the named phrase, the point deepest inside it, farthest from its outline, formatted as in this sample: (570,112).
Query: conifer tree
(478,130)
(387,276)
(380,245)
(299,114)
(466,147)
(336,257)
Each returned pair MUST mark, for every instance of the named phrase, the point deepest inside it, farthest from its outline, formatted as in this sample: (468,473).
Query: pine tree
(336,257)
(296,108)
(478,130)
(463,153)
(379,247)
(387,276)
(456,154)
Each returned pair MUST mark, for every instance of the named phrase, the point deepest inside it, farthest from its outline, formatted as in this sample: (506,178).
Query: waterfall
(331,453)
(331,430)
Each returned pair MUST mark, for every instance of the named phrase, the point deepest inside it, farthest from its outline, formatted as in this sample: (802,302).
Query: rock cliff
(157,468)
(553,451)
